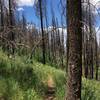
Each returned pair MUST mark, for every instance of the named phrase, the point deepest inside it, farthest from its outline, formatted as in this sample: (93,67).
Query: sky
(27,7)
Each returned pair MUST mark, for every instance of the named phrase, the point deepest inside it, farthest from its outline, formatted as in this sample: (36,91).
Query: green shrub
(24,81)
(10,90)
(90,90)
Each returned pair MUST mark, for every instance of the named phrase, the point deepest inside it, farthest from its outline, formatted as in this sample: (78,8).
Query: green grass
(23,81)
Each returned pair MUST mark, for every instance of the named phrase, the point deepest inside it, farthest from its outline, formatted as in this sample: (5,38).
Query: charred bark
(74,49)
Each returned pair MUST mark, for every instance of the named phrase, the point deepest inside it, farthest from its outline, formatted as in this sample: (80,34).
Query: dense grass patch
(29,80)
(23,81)
(90,90)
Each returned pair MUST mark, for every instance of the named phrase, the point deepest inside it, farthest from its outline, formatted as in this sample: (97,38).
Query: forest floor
(24,81)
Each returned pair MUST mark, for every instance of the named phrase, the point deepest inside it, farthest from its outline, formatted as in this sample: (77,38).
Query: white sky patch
(98,34)
(94,1)
(95,6)
(20,9)
(25,2)
(50,28)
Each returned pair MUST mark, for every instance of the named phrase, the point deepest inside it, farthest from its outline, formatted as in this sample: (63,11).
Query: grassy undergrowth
(23,81)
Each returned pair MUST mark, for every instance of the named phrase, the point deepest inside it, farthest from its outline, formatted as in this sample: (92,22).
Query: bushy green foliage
(30,80)
(24,81)
(90,90)
(10,90)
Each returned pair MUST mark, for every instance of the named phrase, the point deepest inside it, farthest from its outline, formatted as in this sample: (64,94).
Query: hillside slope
(24,81)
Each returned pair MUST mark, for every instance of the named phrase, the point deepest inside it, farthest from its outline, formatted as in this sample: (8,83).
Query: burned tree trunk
(75,49)
(43,39)
(11,35)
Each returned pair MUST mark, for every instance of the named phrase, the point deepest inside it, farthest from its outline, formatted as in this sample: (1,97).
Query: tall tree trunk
(90,42)
(2,15)
(11,25)
(86,46)
(48,39)
(2,22)
(43,39)
(86,59)
(96,50)
(75,49)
